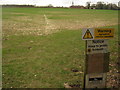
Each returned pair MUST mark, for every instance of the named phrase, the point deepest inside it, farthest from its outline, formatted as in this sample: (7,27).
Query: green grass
(45,61)
(68,17)
(51,58)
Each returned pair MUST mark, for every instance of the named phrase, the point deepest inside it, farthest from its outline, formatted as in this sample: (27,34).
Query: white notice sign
(97,46)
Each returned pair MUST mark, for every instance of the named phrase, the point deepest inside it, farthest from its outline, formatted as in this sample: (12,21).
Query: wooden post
(85,63)
(97,56)
(96,65)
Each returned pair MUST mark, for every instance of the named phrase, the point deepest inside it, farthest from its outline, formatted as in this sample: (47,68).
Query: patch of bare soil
(113,80)
(27,25)
(24,25)
(77,24)
(18,13)
(42,25)
(75,73)
(49,26)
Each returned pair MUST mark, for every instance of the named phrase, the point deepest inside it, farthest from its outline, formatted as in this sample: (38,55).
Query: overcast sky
(54,2)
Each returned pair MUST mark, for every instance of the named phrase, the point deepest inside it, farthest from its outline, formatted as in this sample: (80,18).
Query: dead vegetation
(27,24)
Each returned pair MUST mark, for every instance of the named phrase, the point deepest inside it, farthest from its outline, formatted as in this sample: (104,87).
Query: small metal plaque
(97,63)
(95,80)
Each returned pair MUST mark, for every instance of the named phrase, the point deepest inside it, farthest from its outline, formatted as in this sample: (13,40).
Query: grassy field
(42,47)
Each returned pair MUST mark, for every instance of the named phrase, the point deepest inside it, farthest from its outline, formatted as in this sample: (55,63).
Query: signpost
(97,33)
(97,56)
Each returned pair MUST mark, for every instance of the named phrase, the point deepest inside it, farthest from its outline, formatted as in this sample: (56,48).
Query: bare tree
(93,6)
(99,5)
(88,5)
(50,5)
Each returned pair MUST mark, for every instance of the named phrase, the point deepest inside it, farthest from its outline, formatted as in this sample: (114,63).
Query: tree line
(12,5)
(102,5)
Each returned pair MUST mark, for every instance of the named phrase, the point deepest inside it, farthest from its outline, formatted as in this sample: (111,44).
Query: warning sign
(88,34)
(103,33)
(97,33)
(97,46)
